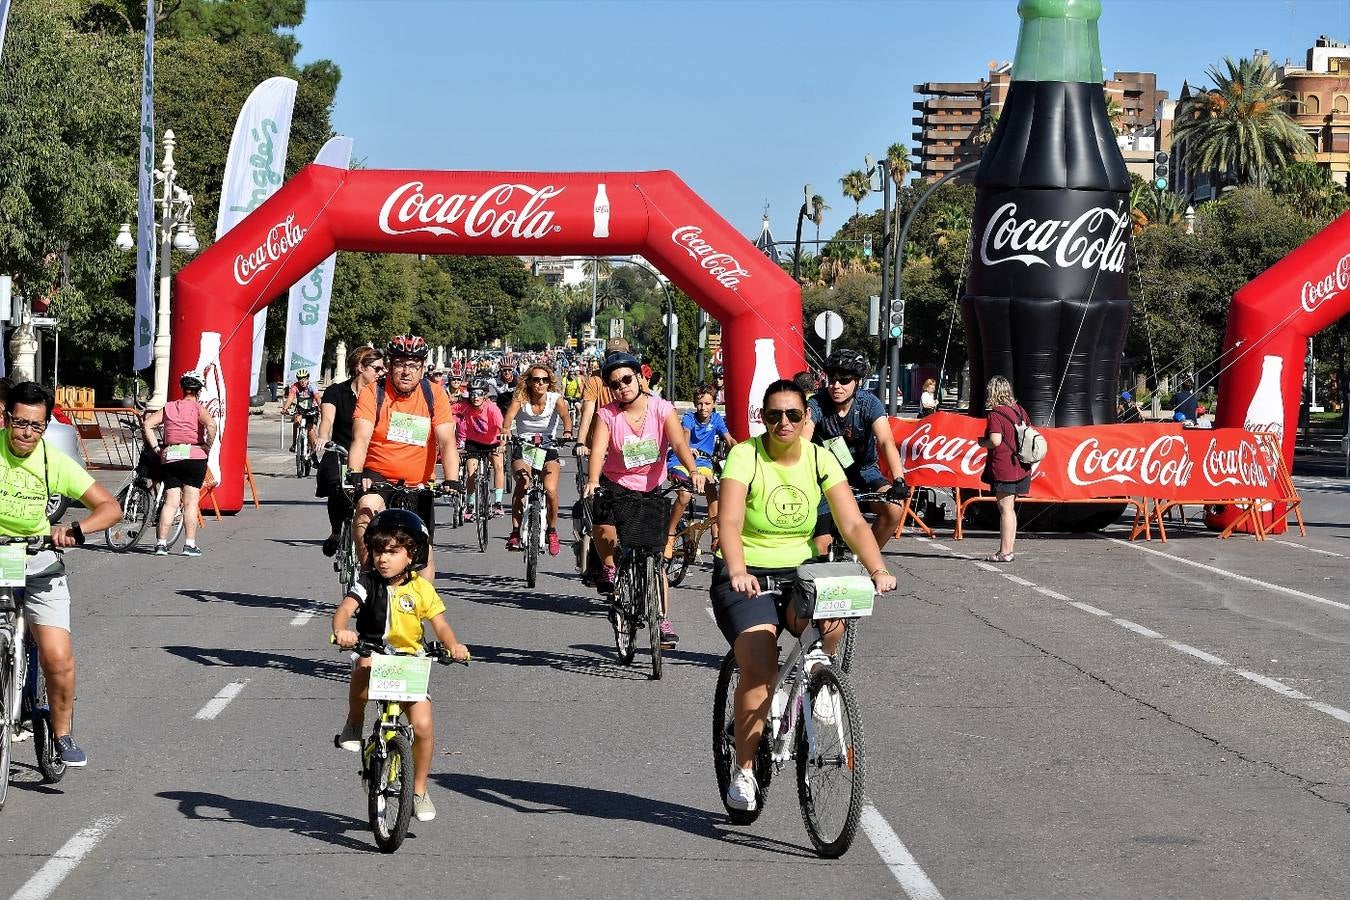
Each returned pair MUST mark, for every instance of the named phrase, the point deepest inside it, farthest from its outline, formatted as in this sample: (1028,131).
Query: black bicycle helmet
(717,371)
(410,523)
(617,361)
(191,380)
(407,345)
(848,361)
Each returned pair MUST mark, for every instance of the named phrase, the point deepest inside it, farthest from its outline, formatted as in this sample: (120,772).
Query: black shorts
(550,455)
(736,612)
(1021,488)
(183,473)
(867,481)
(327,476)
(424,504)
(478,448)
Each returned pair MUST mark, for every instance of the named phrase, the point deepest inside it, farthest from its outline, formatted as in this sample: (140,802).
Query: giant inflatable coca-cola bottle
(1047,301)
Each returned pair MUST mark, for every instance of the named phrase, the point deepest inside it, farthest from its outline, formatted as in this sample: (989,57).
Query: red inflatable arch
(323,209)
(1269,324)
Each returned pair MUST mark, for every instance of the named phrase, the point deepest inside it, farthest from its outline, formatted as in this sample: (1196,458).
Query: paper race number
(406,428)
(638,453)
(847,597)
(12,559)
(534,456)
(839,447)
(402,678)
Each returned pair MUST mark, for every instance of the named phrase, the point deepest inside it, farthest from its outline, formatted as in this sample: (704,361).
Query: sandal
(1000,557)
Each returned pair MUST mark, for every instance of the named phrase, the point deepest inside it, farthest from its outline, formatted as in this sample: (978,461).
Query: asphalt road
(1097,719)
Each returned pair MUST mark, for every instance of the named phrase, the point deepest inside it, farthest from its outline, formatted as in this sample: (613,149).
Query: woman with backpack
(771,488)
(1007,476)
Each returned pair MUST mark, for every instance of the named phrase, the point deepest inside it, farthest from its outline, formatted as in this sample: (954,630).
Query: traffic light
(867,245)
(896,319)
(1162,169)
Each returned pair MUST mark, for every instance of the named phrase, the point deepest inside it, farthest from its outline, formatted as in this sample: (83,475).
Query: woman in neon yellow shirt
(771,486)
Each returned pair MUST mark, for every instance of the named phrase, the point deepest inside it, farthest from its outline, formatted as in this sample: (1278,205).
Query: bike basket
(839,590)
(641,520)
(402,678)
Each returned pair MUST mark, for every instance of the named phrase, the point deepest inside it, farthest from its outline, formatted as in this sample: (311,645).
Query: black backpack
(426,392)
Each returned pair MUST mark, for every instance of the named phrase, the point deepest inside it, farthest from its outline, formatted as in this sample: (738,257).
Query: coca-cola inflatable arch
(324,209)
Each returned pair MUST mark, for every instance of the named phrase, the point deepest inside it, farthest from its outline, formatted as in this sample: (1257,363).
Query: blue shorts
(677,472)
(869,478)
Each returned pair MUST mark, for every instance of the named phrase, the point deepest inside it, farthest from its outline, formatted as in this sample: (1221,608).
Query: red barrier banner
(1162,462)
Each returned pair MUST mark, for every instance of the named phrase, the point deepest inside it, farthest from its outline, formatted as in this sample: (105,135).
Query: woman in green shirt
(771,486)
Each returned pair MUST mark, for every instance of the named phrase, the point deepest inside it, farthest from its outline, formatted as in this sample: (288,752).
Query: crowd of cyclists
(379,435)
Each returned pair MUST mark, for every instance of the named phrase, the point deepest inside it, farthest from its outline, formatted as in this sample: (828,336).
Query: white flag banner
(255,168)
(4,20)
(307,304)
(143,340)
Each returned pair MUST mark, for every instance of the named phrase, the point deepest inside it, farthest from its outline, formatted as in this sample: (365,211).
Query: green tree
(854,186)
(1240,125)
(818,208)
(1309,188)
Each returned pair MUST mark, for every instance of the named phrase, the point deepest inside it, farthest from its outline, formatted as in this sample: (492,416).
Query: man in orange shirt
(399,425)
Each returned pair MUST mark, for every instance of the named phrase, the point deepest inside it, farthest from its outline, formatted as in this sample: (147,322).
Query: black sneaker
(330,546)
(70,752)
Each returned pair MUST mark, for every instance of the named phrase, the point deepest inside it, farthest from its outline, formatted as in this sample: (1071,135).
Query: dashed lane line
(54,871)
(217,704)
(893,852)
(1306,547)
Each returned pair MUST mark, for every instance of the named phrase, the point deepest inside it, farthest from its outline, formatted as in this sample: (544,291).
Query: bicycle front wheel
(533,531)
(7,715)
(724,744)
(622,614)
(651,574)
(686,549)
(847,647)
(390,788)
(830,781)
(49,761)
(482,512)
(346,556)
(136,504)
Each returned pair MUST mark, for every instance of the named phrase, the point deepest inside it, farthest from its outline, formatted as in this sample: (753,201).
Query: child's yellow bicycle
(386,753)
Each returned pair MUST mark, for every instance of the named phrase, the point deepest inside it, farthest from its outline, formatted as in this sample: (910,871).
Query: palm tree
(984,132)
(897,162)
(855,187)
(1150,206)
(1240,125)
(1116,114)
(951,223)
(598,268)
(818,207)
(1308,188)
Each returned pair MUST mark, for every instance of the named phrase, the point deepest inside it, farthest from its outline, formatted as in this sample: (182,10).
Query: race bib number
(178,452)
(847,597)
(839,447)
(401,678)
(406,428)
(638,453)
(534,456)
(12,559)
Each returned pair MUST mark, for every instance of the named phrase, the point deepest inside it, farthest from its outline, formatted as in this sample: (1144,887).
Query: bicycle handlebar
(436,649)
(35,543)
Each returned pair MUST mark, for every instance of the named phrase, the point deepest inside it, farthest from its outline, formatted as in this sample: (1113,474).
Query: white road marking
(1136,627)
(897,857)
(305,615)
(1278,588)
(1334,711)
(1085,607)
(1278,687)
(987,566)
(1197,653)
(1017,579)
(1306,547)
(216,704)
(48,878)
(1055,595)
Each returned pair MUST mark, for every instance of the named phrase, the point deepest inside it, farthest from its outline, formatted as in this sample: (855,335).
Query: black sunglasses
(539,380)
(774,416)
(623,382)
(841,378)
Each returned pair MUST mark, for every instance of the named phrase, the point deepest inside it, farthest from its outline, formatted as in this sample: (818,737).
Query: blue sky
(746,101)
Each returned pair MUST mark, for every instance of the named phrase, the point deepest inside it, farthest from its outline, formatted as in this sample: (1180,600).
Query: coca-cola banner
(1161,462)
(324,209)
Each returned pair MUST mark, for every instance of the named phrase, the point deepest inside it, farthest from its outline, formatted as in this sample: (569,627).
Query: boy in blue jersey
(703,425)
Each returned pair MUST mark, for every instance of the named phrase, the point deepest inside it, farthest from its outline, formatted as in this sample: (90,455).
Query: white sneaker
(824,706)
(816,658)
(350,739)
(741,792)
(423,808)
(161,549)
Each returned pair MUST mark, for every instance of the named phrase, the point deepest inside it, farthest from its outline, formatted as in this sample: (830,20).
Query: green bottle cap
(1058,41)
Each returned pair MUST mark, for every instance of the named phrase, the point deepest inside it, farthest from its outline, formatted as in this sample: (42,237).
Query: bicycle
(840,551)
(386,753)
(791,730)
(689,531)
(535,507)
(641,521)
(345,563)
(482,492)
(23,687)
(304,454)
(456,501)
(142,503)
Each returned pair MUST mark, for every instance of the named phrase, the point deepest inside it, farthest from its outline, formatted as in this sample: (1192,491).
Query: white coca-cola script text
(1246,464)
(1095,240)
(723,266)
(925,450)
(1315,293)
(1166,461)
(504,210)
(281,239)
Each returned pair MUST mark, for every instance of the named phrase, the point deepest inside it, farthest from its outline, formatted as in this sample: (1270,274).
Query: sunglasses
(841,378)
(623,382)
(535,379)
(774,416)
(27,425)
(377,369)
(477,393)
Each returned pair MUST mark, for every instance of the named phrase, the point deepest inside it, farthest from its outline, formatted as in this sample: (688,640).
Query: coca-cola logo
(1315,293)
(281,239)
(1244,465)
(1059,242)
(925,451)
(722,266)
(1166,461)
(504,210)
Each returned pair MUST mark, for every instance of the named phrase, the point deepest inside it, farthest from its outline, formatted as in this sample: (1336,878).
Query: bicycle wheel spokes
(830,781)
(50,763)
(123,534)
(621,615)
(391,794)
(532,534)
(724,744)
(652,589)
(7,715)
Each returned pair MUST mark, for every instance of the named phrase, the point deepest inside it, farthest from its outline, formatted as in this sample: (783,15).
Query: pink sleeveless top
(182,426)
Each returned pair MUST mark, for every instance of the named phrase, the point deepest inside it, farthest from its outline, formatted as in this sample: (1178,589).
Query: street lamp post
(885,363)
(176,232)
(647,267)
(801,218)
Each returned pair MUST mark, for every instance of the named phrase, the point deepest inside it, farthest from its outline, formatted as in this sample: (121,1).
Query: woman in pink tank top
(189,432)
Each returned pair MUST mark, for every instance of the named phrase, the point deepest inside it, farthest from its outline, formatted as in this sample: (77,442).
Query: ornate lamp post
(176,232)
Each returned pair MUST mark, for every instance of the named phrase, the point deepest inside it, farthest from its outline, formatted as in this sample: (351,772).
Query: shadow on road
(297,542)
(566,662)
(544,798)
(331,828)
(675,657)
(495,590)
(329,670)
(254,601)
